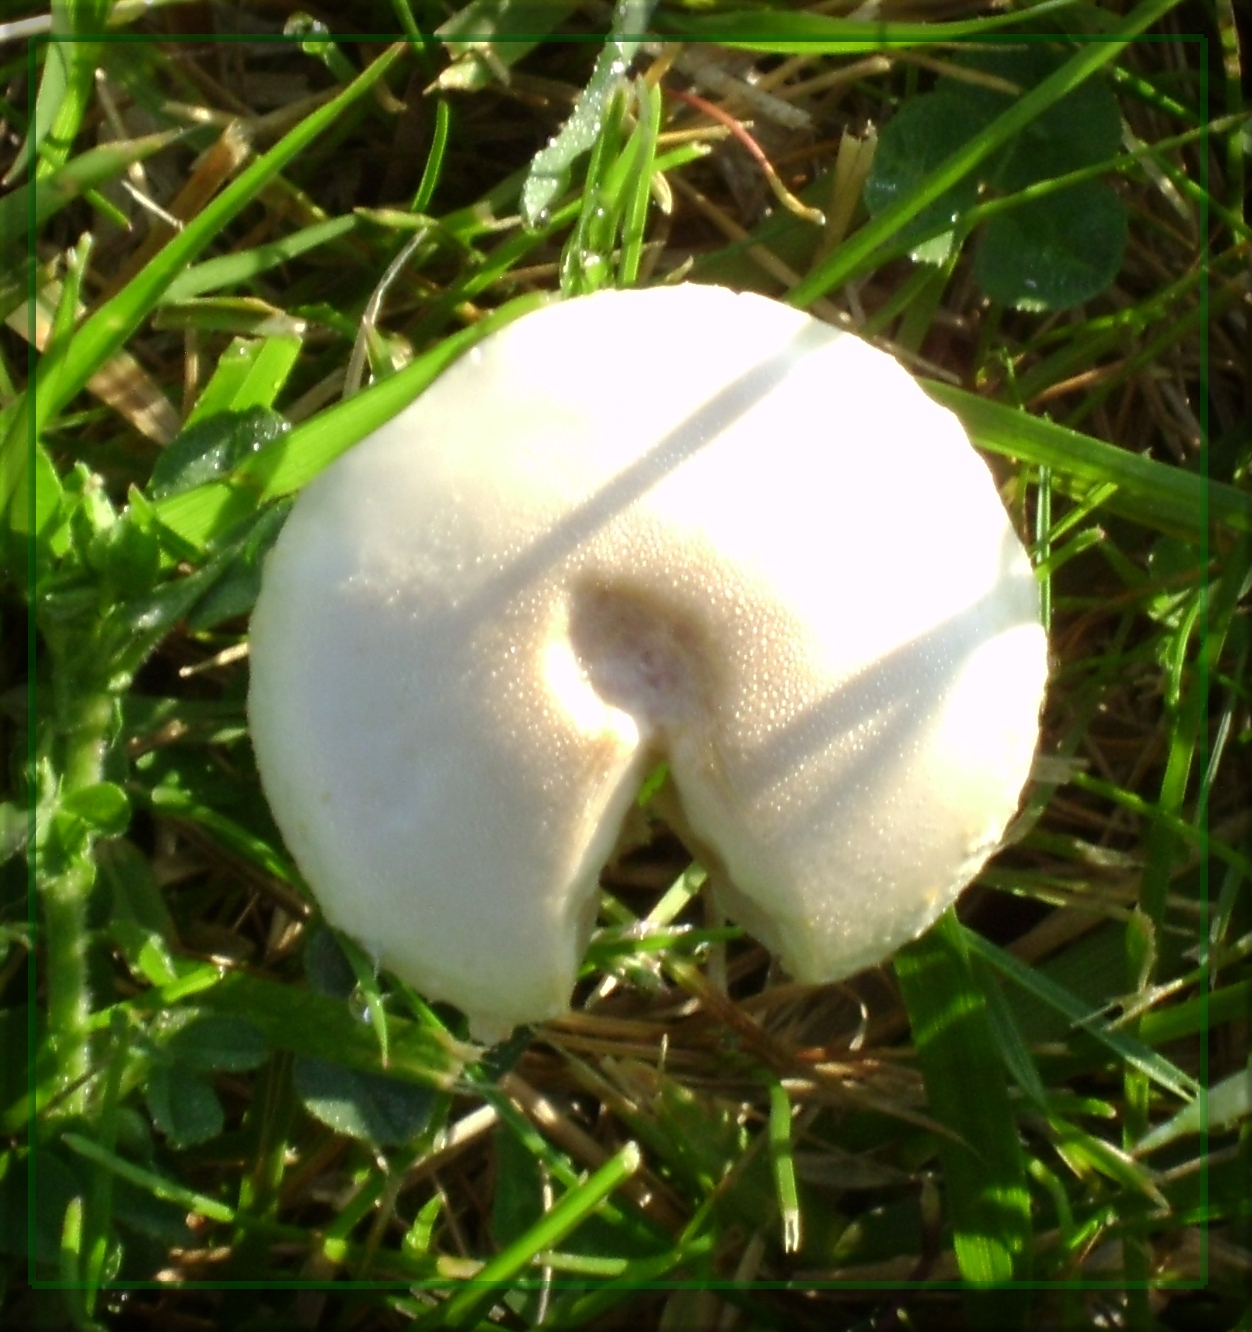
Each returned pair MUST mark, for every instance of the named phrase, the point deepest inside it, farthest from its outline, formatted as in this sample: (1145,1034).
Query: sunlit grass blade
(464,1308)
(1134,1052)
(790,32)
(307,1023)
(1153,493)
(696,1242)
(65,85)
(229,270)
(157,1185)
(784,1167)
(1218,1110)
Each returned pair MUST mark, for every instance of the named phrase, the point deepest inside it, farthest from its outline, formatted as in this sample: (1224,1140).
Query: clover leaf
(1046,253)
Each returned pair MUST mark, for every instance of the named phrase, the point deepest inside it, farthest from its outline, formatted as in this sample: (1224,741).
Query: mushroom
(680,523)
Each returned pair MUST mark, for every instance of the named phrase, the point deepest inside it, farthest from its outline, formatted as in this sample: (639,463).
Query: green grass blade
(1086,1154)
(1188,723)
(268,372)
(67,83)
(1219,1109)
(988,1202)
(434,159)
(781,32)
(230,270)
(157,1185)
(1156,494)
(639,189)
(697,1240)
(109,327)
(783,1163)
(298,1019)
(1159,1069)
(467,1305)
(52,192)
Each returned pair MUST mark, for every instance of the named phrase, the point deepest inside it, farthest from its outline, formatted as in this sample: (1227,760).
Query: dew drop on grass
(550,168)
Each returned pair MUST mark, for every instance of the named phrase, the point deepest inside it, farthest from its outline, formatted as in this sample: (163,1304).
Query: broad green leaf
(291,1017)
(132,629)
(1046,253)
(213,447)
(326,966)
(104,807)
(1082,128)
(236,591)
(50,1185)
(211,1042)
(858,252)
(1053,252)
(517,1201)
(922,135)
(387,1112)
(183,1105)
(139,921)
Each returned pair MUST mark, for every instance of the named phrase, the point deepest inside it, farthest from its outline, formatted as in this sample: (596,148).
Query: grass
(215,1114)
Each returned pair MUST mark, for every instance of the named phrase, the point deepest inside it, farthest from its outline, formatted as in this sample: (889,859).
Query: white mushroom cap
(676,522)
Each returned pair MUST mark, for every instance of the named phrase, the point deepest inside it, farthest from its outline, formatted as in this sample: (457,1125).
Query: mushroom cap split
(676,522)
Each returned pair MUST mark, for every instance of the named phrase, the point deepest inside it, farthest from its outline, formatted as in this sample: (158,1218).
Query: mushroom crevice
(676,522)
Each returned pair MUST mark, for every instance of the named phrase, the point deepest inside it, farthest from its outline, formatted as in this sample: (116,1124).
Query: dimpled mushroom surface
(679,523)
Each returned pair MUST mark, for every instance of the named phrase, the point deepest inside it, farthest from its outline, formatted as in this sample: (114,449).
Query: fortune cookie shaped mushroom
(676,522)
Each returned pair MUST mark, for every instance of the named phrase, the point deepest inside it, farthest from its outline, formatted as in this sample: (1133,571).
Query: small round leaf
(183,1106)
(104,807)
(1054,252)
(384,1111)
(213,1042)
(1079,129)
(921,135)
